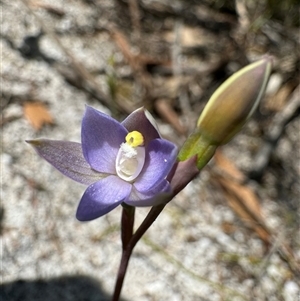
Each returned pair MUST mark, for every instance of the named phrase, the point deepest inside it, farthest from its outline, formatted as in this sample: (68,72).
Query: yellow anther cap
(134,139)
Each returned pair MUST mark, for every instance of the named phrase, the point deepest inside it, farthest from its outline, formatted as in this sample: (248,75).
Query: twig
(274,133)
(135,19)
(240,6)
(232,187)
(136,62)
(87,81)
(208,18)
(177,70)
(166,111)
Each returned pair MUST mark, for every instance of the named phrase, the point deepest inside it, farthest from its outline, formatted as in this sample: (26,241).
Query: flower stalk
(183,173)
(127,223)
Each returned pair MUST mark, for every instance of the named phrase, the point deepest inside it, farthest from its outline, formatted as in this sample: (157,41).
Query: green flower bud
(228,109)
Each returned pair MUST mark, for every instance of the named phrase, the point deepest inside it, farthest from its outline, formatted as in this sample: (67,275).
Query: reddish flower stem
(182,174)
(121,273)
(128,248)
(127,223)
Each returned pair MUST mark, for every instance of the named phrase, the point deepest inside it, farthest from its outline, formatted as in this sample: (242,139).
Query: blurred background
(231,234)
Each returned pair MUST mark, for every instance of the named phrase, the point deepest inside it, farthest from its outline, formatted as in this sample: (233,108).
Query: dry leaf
(124,46)
(50,8)
(244,201)
(37,114)
(240,197)
(277,101)
(228,228)
(225,165)
(167,112)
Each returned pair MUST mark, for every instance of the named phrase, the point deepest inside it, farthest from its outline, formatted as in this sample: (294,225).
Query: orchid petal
(153,197)
(142,121)
(67,157)
(101,137)
(160,158)
(102,197)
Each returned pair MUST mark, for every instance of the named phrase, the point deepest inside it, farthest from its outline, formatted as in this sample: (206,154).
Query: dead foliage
(37,114)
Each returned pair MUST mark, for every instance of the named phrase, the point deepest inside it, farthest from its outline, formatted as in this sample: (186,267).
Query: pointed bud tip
(234,102)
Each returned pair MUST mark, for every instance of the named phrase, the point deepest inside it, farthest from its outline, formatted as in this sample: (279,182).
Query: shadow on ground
(66,288)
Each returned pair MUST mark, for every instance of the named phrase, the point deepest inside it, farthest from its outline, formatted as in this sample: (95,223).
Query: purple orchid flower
(120,162)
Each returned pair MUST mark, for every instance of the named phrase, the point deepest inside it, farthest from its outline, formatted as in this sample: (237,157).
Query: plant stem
(127,223)
(129,241)
(145,225)
(186,171)
(126,253)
